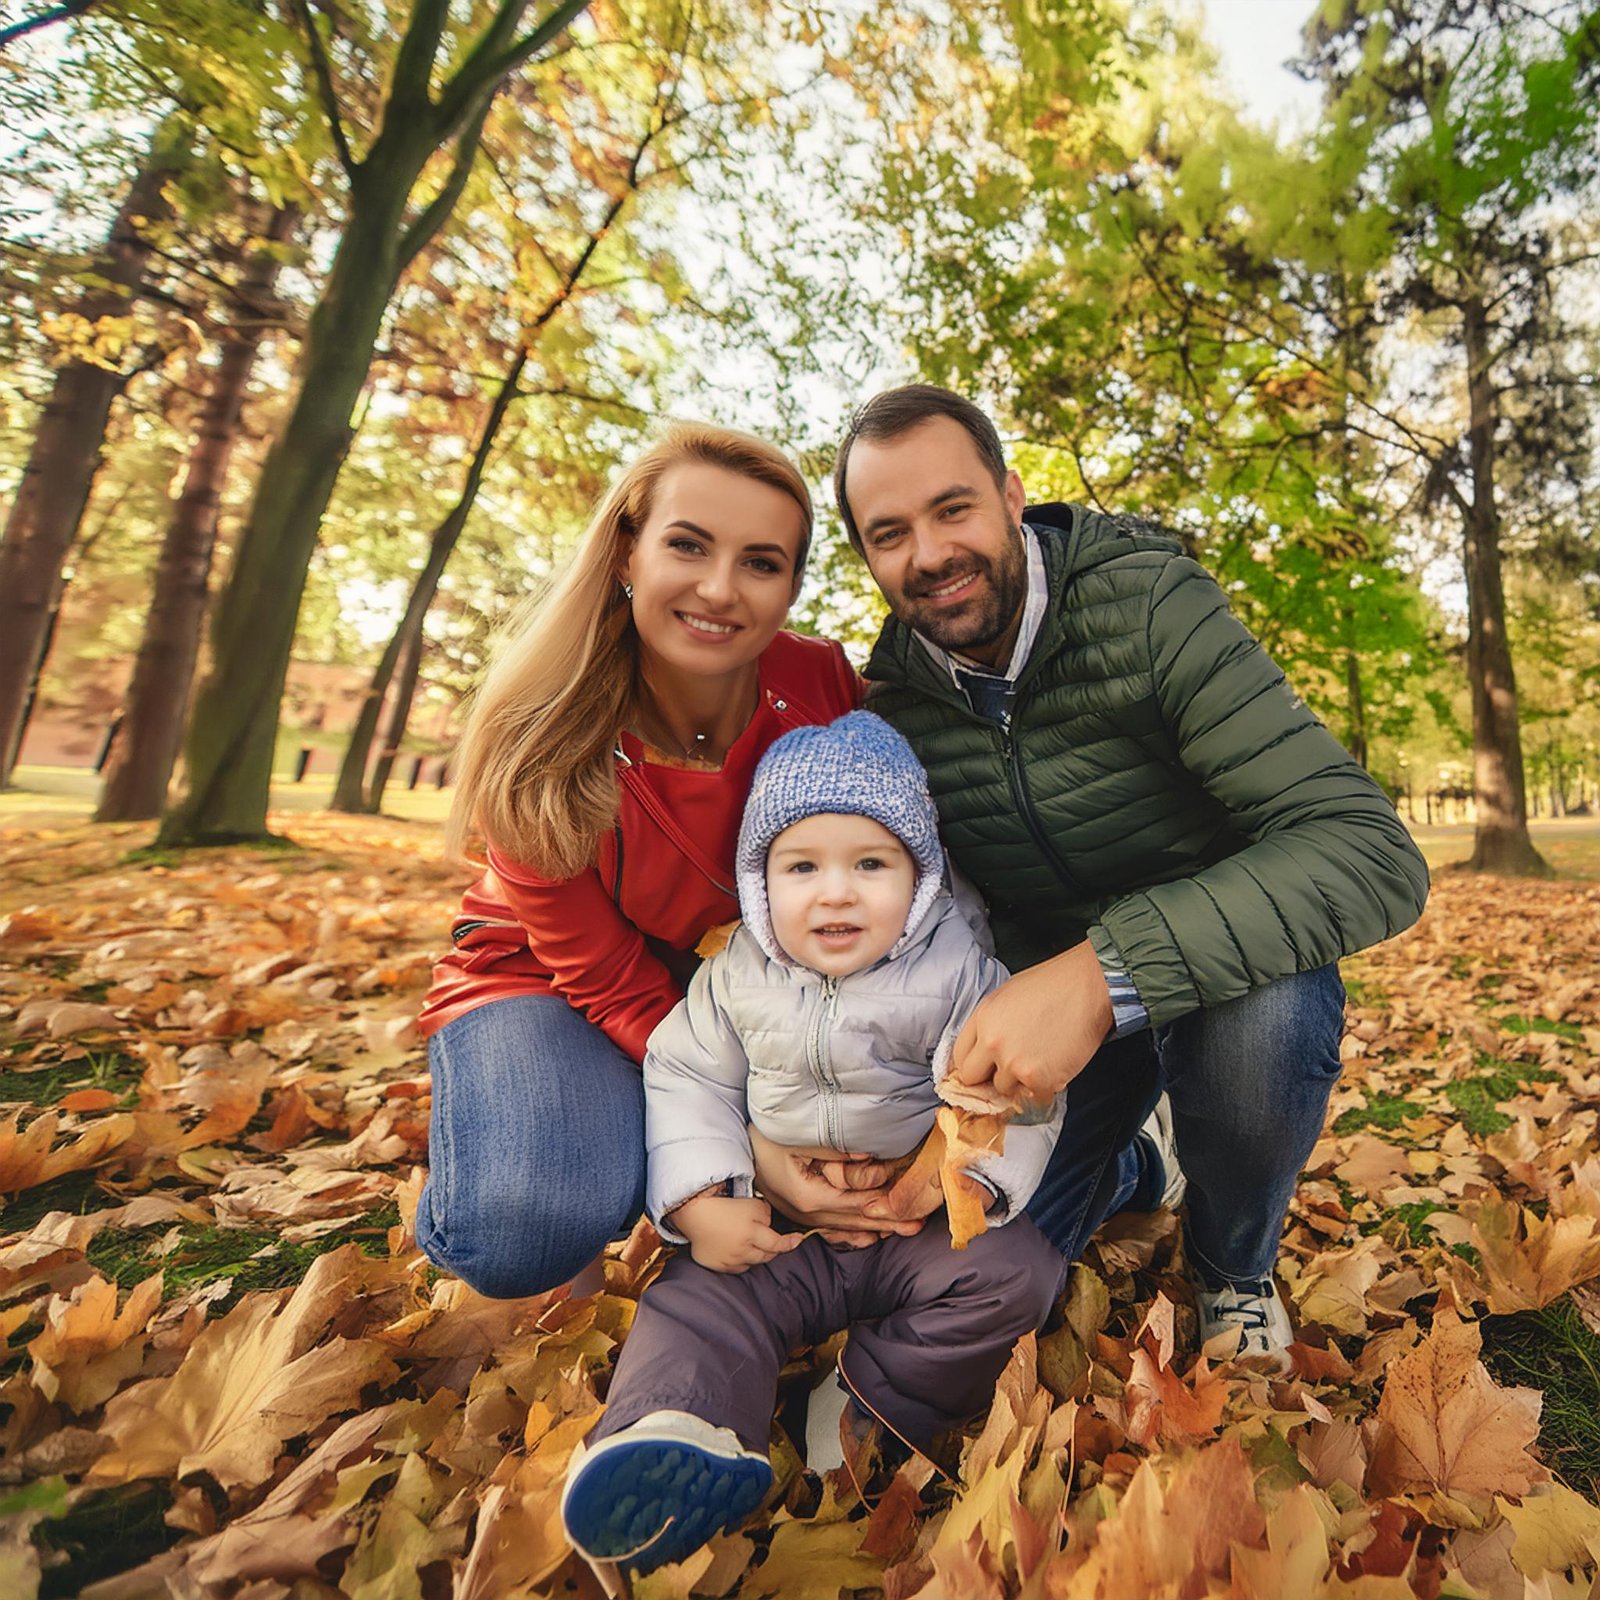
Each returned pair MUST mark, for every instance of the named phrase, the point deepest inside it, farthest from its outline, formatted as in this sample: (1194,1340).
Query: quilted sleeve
(1329,868)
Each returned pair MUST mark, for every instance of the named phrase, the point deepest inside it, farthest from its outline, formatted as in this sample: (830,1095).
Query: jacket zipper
(1024,804)
(817,1055)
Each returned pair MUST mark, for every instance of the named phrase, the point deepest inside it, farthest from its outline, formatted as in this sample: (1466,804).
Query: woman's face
(713,568)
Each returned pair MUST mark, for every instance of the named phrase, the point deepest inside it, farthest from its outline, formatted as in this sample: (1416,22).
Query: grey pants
(931,1329)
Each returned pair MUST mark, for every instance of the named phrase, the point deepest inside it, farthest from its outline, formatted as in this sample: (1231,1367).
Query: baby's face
(840,889)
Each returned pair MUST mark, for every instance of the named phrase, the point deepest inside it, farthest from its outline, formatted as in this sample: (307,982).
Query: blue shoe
(658,1490)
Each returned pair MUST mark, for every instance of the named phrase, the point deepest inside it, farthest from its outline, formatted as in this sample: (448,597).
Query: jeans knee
(509,1246)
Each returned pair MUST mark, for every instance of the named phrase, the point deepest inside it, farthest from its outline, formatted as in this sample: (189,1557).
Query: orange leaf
(88,1349)
(88,1100)
(1445,1426)
(264,1373)
(26,1158)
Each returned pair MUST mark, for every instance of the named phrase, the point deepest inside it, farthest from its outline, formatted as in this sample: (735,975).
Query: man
(1174,851)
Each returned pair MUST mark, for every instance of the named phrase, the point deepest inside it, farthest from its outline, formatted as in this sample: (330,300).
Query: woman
(605,763)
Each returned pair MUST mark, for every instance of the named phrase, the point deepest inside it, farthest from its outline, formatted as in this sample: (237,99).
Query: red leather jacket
(617,941)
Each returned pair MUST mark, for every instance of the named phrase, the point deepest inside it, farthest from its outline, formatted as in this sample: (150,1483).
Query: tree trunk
(233,730)
(163,673)
(350,792)
(61,467)
(1356,710)
(1502,842)
(399,715)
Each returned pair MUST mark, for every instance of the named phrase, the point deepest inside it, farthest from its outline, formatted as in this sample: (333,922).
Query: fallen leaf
(1444,1425)
(88,1349)
(27,1159)
(247,1383)
(1555,1528)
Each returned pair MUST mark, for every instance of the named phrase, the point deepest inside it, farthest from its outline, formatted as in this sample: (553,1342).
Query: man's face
(942,541)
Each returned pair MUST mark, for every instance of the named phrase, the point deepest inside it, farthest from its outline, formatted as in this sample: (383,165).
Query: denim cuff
(1128,1013)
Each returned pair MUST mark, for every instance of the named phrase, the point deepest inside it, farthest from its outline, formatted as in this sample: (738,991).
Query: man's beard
(980,621)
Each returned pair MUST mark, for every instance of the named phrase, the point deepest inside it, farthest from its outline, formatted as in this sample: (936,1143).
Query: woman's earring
(627,591)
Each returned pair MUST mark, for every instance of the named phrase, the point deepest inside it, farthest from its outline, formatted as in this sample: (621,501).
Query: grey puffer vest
(845,1064)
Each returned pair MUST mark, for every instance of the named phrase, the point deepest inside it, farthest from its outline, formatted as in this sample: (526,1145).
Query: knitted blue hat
(857,766)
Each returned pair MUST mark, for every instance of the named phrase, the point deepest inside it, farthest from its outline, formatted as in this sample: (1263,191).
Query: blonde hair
(536,773)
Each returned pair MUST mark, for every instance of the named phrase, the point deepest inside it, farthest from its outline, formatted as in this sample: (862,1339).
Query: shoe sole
(648,1502)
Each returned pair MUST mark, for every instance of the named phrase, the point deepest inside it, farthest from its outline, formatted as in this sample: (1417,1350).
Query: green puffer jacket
(1159,788)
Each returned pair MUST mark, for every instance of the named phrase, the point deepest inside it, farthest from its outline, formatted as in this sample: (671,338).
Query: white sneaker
(1255,1314)
(1157,1127)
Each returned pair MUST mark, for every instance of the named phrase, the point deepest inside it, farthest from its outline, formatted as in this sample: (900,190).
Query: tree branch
(327,91)
(485,66)
(419,48)
(61,13)
(432,216)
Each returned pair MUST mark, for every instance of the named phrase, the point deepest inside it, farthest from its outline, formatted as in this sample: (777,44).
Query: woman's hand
(729,1234)
(831,1195)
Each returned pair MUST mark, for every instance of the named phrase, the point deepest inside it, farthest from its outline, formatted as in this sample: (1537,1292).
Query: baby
(825,1023)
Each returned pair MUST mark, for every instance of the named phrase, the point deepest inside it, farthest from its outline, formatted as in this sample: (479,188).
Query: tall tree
(393,212)
(65,456)
(1466,130)
(1091,238)
(151,732)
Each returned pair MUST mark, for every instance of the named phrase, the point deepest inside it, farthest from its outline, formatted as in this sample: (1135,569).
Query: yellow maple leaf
(88,1349)
(247,1383)
(1555,1528)
(1529,1260)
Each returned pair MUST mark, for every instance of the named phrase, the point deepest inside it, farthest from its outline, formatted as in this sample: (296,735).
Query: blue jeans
(535,1147)
(1249,1083)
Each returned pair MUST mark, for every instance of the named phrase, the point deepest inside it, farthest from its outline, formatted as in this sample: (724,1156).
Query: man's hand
(731,1235)
(804,1189)
(1035,1033)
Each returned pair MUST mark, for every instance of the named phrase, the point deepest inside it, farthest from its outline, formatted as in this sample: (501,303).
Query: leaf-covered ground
(229,1372)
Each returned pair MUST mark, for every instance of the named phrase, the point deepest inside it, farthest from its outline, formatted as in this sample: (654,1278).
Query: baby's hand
(731,1235)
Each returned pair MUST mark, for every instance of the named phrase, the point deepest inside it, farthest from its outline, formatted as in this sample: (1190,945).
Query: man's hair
(898,411)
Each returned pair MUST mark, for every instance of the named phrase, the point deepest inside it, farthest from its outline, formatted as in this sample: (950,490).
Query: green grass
(1386,1111)
(71,1193)
(1553,1350)
(1513,1023)
(1477,1100)
(1406,1226)
(97,1069)
(106,1532)
(63,796)
(206,1253)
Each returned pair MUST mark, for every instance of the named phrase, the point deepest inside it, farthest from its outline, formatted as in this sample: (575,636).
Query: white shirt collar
(1032,615)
